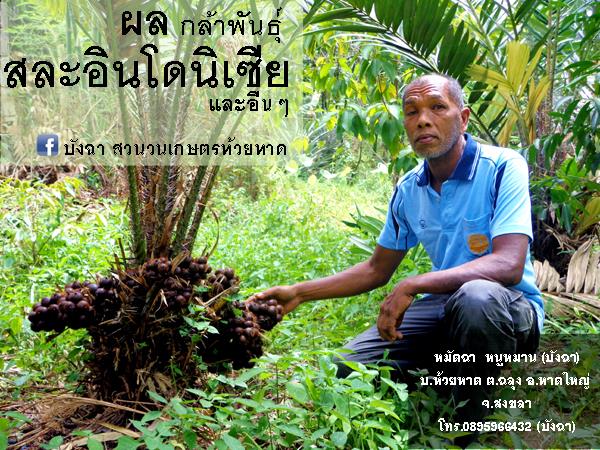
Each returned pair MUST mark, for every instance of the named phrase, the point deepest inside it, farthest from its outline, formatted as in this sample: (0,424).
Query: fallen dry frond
(54,415)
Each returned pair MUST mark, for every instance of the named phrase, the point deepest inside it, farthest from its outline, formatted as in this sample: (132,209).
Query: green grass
(296,233)
(49,236)
(293,231)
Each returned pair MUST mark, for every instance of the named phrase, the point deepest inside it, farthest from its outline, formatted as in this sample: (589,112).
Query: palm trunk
(202,202)
(165,176)
(138,238)
(188,210)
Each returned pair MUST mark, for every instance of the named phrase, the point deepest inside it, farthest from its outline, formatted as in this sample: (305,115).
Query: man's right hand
(286,296)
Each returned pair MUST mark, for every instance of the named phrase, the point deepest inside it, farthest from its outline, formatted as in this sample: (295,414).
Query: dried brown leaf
(537,268)
(544,276)
(592,273)
(564,306)
(577,267)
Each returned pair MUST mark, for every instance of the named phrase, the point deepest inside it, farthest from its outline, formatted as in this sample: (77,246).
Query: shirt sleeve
(512,204)
(396,233)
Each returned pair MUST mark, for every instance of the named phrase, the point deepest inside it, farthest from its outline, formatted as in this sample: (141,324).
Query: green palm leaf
(336,14)
(411,28)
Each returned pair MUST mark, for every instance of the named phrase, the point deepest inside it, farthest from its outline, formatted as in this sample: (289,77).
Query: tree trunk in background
(7,108)
(544,121)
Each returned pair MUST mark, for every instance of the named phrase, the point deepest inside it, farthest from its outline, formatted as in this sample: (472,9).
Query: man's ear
(464,116)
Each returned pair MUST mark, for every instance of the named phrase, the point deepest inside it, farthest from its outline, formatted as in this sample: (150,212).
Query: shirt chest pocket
(476,234)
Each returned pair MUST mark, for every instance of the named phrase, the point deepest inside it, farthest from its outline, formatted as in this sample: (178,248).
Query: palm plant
(154,311)
(167,203)
(492,38)
(561,39)
(153,190)
(513,86)
(422,31)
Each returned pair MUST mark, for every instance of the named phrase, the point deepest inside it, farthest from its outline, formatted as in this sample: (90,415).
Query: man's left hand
(392,311)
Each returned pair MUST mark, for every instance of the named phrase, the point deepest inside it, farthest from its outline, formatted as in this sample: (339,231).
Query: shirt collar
(465,169)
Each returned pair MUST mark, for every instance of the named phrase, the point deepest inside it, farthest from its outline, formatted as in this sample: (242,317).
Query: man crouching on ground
(469,205)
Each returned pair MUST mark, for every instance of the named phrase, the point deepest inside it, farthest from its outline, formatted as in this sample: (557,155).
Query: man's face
(434,123)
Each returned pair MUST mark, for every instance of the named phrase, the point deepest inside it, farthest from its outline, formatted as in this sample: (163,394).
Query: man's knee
(477,290)
(478,298)
(478,313)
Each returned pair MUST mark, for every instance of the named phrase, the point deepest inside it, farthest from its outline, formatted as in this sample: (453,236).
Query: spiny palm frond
(168,198)
(411,28)
(506,20)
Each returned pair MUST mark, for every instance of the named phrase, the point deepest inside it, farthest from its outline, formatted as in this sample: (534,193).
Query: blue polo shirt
(486,196)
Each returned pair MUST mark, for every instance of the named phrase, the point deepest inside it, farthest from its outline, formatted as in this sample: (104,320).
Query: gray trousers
(481,317)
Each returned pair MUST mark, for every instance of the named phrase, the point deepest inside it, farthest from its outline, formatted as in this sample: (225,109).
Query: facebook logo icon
(47,145)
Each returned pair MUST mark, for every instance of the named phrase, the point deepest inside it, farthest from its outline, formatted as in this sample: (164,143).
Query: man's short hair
(454,88)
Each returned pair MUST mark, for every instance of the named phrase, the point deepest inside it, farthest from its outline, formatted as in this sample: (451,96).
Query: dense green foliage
(294,230)
(49,237)
(527,68)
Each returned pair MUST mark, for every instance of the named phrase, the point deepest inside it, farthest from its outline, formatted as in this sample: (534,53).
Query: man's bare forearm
(504,267)
(362,277)
(353,281)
